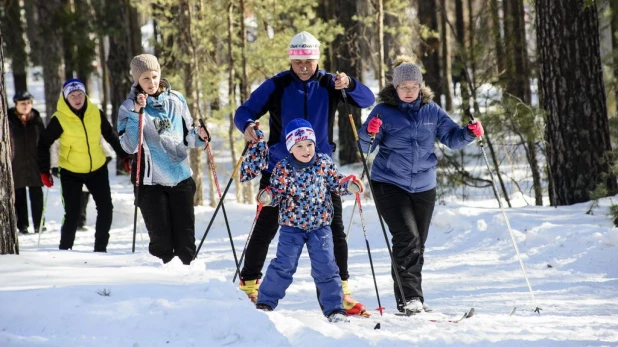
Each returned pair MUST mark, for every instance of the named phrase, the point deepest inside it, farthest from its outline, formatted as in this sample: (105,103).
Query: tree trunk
(498,41)
(573,96)
(247,190)
(447,64)
(15,43)
(104,75)
(231,90)
(119,57)
(381,62)
(9,244)
(184,40)
(51,46)
(345,60)
(614,28)
(430,47)
(32,32)
(462,58)
(517,83)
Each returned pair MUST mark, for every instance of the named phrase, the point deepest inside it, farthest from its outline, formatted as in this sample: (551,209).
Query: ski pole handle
(353,127)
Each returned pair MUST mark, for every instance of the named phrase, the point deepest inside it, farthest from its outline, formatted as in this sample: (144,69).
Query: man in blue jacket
(305,92)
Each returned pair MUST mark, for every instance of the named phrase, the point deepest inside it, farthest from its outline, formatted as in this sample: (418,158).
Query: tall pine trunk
(15,43)
(9,244)
(430,47)
(51,48)
(344,59)
(573,96)
(517,83)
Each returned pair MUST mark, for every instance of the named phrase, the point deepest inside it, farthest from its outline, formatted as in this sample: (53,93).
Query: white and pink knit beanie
(304,46)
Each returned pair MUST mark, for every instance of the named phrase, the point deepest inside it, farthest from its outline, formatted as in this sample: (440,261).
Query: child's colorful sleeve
(255,160)
(278,184)
(333,178)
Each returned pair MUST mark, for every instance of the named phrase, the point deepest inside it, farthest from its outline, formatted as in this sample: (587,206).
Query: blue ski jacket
(286,97)
(406,140)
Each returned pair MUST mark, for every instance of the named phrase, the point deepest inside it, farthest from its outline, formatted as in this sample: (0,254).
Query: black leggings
(266,228)
(170,220)
(97,183)
(408,216)
(21,207)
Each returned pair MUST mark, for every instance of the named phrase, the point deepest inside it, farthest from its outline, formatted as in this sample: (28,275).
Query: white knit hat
(304,46)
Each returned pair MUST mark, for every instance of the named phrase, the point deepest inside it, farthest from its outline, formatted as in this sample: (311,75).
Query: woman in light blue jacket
(403,175)
(166,188)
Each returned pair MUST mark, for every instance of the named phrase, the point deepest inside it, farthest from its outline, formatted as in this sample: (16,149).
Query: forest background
(540,75)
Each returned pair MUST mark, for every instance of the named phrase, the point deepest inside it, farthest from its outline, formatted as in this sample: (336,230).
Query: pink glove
(373,127)
(476,128)
(47,179)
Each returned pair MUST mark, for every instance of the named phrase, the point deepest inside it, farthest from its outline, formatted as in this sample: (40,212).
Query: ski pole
(373,195)
(42,217)
(347,235)
(229,183)
(211,161)
(242,256)
(137,172)
(373,273)
(506,218)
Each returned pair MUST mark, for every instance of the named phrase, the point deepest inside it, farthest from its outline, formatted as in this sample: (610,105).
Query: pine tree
(9,243)
(573,96)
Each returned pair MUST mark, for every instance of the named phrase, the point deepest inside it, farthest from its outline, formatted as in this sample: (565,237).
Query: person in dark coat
(25,126)
(403,175)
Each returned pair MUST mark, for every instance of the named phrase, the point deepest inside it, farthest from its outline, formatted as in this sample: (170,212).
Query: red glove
(373,127)
(47,179)
(476,128)
(127,163)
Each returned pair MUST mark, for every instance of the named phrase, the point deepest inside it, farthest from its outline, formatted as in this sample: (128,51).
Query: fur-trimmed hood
(388,95)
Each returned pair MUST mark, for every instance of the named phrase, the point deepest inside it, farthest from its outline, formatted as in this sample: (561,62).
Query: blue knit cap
(72,85)
(298,130)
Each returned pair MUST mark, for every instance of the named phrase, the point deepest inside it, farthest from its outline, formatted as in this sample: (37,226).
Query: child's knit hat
(298,130)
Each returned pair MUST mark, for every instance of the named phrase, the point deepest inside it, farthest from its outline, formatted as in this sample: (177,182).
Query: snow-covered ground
(80,298)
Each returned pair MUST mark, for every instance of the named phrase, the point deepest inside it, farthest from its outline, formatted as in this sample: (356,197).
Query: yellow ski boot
(250,287)
(352,307)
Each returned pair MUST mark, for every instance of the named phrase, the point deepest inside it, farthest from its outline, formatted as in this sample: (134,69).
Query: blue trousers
(324,270)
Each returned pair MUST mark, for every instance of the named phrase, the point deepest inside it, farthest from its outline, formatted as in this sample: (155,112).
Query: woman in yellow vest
(78,125)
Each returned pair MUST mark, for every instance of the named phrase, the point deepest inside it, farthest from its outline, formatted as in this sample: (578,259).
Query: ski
(467,314)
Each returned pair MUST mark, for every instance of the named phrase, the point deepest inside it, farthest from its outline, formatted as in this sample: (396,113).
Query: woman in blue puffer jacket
(403,175)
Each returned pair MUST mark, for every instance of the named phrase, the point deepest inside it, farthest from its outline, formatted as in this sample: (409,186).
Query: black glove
(54,171)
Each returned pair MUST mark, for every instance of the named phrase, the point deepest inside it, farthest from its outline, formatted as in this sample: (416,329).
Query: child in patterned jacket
(301,185)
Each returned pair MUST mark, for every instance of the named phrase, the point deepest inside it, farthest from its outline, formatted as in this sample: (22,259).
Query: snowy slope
(57,298)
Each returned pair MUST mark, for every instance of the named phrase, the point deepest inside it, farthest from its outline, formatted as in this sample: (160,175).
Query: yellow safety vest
(80,147)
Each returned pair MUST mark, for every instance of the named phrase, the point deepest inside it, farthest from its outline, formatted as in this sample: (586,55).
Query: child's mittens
(356,186)
(264,196)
